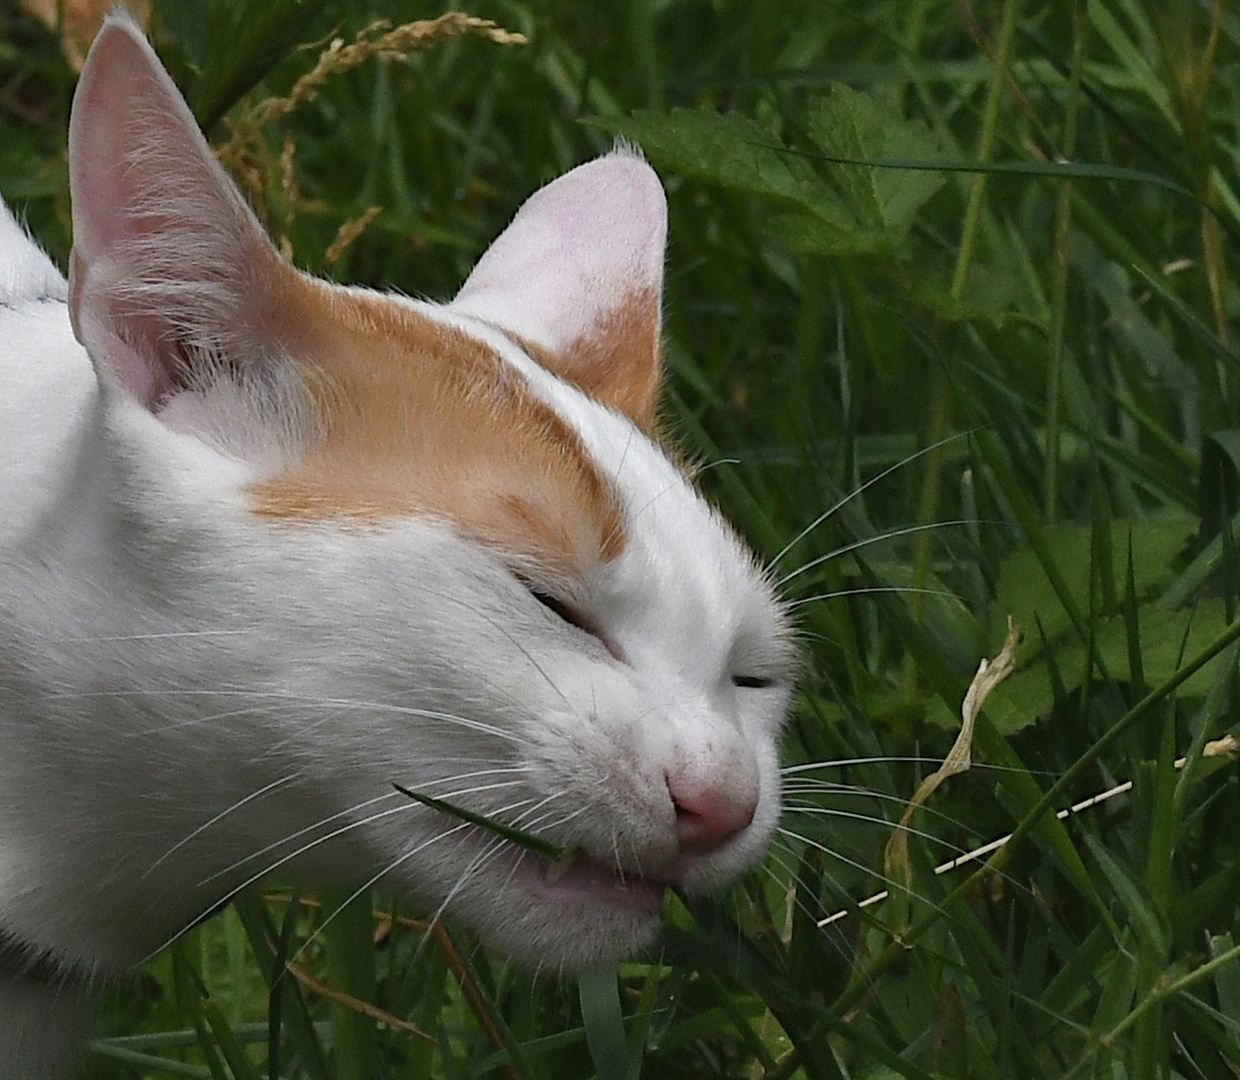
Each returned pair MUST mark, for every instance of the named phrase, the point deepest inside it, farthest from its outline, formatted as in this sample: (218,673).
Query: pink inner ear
(166,254)
(579,275)
(125,109)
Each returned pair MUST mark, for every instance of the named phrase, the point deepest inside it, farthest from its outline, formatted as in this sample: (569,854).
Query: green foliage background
(951,322)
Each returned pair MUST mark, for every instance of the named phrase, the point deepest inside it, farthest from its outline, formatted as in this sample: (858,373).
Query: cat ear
(577,278)
(170,272)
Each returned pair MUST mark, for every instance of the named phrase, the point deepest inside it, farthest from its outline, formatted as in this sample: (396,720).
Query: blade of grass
(348,933)
(1166,989)
(599,993)
(239,1063)
(151,1063)
(526,840)
(189,996)
(1057,791)
(300,1029)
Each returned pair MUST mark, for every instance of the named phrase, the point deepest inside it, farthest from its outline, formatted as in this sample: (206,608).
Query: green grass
(1060,341)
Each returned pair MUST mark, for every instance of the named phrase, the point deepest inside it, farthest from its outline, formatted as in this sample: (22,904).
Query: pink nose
(706,817)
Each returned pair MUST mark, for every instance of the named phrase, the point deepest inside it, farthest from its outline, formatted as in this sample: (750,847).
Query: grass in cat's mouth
(561,873)
(558,855)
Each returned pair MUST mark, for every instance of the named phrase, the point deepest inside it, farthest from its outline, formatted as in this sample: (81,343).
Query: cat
(272,545)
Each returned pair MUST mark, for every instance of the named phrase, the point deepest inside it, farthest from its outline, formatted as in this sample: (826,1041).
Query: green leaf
(1220,481)
(861,127)
(1119,989)
(348,930)
(1025,591)
(1166,636)
(599,992)
(831,206)
(239,1063)
(1227,978)
(270,953)
(733,152)
(243,41)
(1130,56)
(190,994)
(1142,914)
(516,1053)
(517,836)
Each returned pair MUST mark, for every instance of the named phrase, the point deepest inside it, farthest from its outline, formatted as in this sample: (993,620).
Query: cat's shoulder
(26,273)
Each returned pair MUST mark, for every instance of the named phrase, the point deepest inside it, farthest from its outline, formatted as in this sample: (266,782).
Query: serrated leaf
(1026,593)
(849,124)
(835,206)
(809,234)
(732,151)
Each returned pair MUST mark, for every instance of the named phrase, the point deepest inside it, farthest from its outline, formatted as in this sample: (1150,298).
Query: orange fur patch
(618,361)
(418,417)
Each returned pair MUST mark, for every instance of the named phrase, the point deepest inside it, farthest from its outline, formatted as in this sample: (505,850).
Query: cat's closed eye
(752,682)
(561,609)
(567,613)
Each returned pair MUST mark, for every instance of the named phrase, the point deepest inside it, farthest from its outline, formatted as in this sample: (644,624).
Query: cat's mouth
(585,881)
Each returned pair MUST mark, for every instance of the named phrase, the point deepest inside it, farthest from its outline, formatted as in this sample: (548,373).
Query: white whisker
(803,886)
(912,759)
(873,819)
(309,829)
(274,785)
(163,636)
(860,490)
(801,601)
(856,545)
(840,857)
(394,864)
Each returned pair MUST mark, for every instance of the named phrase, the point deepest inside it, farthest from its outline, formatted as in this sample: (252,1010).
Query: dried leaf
(1227,746)
(989,674)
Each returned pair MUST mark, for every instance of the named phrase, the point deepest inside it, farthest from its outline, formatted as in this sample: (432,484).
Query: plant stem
(940,393)
(1063,225)
(1161,993)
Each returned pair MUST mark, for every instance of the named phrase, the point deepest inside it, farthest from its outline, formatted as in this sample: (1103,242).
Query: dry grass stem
(247,156)
(350,231)
(375,40)
(356,1004)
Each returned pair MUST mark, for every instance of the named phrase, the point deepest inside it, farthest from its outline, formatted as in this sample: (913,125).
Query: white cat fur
(193,694)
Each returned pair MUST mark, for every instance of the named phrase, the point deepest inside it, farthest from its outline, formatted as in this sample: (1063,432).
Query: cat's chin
(570,934)
(564,920)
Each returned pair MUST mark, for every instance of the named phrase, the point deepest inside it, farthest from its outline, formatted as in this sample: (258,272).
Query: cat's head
(447,535)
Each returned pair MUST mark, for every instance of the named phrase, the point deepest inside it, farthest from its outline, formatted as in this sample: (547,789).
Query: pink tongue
(586,880)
